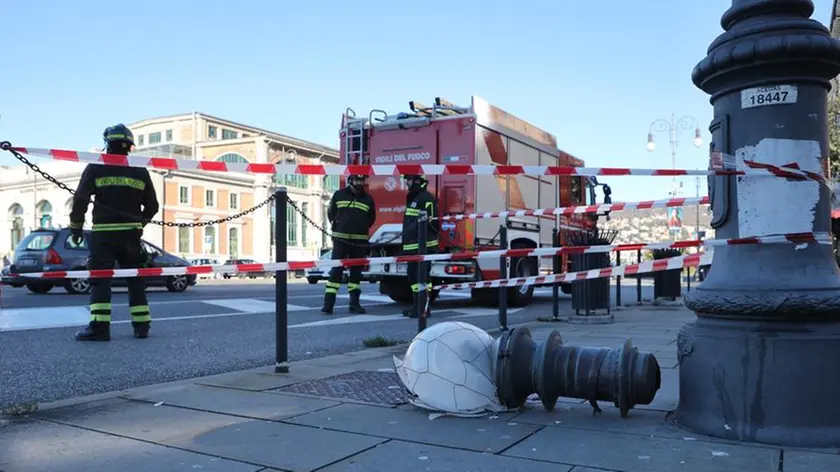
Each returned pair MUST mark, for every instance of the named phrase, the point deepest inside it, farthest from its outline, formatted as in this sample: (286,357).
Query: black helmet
(118,133)
(416,181)
(118,139)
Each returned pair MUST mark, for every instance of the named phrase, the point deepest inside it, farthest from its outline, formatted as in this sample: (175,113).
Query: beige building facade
(191,197)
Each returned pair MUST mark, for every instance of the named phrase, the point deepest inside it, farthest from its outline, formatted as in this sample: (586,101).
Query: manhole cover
(361,385)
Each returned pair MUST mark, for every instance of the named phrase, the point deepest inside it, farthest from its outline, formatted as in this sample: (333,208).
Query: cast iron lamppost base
(623,376)
(760,362)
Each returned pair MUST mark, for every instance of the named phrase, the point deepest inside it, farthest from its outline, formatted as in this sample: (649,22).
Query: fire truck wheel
(522,267)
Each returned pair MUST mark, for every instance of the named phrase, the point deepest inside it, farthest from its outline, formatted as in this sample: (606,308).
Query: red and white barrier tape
(574,210)
(671,263)
(796,238)
(168,163)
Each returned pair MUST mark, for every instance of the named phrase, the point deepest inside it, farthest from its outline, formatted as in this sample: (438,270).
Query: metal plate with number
(402,268)
(767,96)
(25,262)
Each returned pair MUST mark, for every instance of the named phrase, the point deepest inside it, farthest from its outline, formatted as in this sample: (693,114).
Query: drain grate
(361,385)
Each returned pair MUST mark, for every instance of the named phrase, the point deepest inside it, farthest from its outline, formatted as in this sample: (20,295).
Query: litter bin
(591,295)
(667,283)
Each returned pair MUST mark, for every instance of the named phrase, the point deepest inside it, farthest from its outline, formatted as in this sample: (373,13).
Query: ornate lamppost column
(760,363)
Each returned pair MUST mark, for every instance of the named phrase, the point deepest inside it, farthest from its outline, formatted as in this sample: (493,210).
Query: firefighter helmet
(118,134)
(416,181)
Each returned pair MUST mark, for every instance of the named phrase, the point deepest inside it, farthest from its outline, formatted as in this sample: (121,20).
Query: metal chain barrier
(7,146)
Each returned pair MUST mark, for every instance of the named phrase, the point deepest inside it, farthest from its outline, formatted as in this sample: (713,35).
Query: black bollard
(281,314)
(618,280)
(623,376)
(639,278)
(503,274)
(557,266)
(758,363)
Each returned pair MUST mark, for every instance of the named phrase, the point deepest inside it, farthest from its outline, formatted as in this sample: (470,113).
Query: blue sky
(595,74)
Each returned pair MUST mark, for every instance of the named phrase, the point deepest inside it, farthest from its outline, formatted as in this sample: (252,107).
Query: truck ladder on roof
(354,141)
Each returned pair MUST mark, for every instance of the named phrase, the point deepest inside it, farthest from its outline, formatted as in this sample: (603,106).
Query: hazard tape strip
(671,263)
(168,163)
(794,238)
(574,210)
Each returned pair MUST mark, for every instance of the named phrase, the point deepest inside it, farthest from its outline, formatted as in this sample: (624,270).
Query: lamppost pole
(759,361)
(673,127)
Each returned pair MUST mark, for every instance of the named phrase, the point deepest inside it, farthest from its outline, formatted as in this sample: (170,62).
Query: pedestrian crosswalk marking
(53,317)
(251,305)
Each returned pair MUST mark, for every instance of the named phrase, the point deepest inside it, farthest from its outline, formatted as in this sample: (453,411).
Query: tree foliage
(834,133)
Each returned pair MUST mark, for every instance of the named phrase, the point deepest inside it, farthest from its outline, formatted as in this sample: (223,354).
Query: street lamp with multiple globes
(673,127)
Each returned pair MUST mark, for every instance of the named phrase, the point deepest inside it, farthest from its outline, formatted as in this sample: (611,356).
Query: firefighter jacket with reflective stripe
(125,198)
(414,204)
(351,215)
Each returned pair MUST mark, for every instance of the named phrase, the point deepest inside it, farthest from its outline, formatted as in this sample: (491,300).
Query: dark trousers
(345,250)
(106,249)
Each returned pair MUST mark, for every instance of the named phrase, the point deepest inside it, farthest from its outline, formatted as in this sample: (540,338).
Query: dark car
(46,250)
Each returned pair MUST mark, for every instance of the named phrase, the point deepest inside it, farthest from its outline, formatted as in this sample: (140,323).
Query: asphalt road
(214,327)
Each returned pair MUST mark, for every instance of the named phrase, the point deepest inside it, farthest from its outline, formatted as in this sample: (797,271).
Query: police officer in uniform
(352,212)
(418,199)
(125,201)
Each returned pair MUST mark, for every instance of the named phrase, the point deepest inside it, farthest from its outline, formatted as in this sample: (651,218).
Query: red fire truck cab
(480,134)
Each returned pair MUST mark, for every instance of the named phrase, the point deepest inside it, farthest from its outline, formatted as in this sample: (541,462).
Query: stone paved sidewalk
(358,420)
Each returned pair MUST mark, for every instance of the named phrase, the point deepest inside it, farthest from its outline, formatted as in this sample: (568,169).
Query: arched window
(209,240)
(15,216)
(232,157)
(44,211)
(233,243)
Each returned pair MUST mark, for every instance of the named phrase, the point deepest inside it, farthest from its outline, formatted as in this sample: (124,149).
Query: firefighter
(125,202)
(418,199)
(352,212)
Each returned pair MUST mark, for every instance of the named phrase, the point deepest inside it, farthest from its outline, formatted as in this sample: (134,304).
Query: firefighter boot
(329,303)
(355,306)
(141,329)
(95,331)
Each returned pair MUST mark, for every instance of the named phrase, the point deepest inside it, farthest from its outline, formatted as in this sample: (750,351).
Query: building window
(209,240)
(291,226)
(140,140)
(330,183)
(304,208)
(168,135)
(232,157)
(292,180)
(229,134)
(233,243)
(234,201)
(154,138)
(184,195)
(16,215)
(209,198)
(211,132)
(45,214)
(184,240)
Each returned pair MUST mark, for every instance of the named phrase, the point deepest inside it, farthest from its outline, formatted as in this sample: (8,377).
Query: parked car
(250,275)
(207,261)
(316,274)
(46,250)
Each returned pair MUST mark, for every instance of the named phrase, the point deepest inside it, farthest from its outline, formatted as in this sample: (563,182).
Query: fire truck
(481,134)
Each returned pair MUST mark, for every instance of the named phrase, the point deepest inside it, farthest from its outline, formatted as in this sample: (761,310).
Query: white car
(207,261)
(315,274)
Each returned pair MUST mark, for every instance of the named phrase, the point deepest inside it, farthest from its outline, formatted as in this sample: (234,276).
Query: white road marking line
(52,317)
(250,305)
(349,320)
